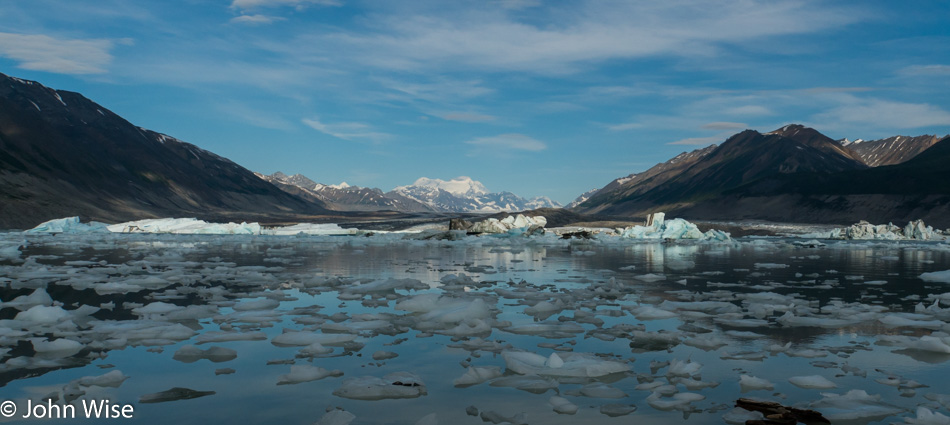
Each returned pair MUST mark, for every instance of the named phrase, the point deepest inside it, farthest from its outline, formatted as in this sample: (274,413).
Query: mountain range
(793,174)
(458,195)
(62,154)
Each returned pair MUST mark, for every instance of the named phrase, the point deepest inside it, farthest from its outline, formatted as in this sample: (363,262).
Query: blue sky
(540,98)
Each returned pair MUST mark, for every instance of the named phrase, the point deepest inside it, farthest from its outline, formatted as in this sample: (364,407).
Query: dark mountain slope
(63,154)
(744,158)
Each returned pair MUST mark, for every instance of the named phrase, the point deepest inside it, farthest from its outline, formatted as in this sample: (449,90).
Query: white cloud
(595,31)
(625,126)
(747,110)
(352,131)
(723,125)
(509,142)
(65,56)
(925,70)
(697,141)
(877,113)
(467,117)
(254,4)
(255,19)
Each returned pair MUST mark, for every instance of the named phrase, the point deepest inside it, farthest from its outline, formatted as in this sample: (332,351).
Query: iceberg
(325,229)
(185,226)
(514,225)
(69,225)
(677,228)
(914,230)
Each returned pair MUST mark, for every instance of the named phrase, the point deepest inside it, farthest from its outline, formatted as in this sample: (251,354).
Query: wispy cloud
(467,117)
(697,141)
(505,144)
(625,126)
(352,131)
(877,113)
(476,38)
(723,125)
(256,19)
(925,70)
(65,56)
(255,4)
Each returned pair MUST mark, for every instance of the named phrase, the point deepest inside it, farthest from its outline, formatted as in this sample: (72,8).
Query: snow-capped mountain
(344,197)
(462,194)
(583,197)
(889,151)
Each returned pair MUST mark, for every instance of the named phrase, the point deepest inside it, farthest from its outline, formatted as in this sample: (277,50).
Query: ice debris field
(202,322)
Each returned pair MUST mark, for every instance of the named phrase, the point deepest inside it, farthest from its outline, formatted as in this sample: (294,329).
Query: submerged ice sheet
(513,329)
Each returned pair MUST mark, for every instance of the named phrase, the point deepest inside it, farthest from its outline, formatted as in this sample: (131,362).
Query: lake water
(610,309)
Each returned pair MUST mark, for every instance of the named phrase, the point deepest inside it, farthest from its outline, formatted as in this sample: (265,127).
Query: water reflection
(146,305)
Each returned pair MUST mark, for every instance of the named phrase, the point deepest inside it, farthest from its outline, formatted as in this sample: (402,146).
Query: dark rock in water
(775,413)
(177,393)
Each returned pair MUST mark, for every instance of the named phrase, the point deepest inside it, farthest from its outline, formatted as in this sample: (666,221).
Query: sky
(539,98)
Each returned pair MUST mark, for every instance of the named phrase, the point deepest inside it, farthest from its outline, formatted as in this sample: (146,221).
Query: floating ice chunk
(547,329)
(562,405)
(384,355)
(574,364)
(926,416)
(69,225)
(385,285)
(221,336)
(751,383)
(336,417)
(305,373)
(262,304)
(615,410)
(894,321)
(497,418)
(43,315)
(646,312)
(597,390)
(394,385)
(653,341)
(477,375)
(679,401)
(683,368)
(739,416)
(430,419)
(530,383)
(812,382)
(770,266)
(61,347)
(39,296)
(940,277)
(191,354)
(927,343)
(111,379)
(706,342)
(651,277)
(10,252)
(790,319)
(302,339)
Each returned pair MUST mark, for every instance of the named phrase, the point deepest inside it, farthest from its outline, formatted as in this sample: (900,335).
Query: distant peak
(460,185)
(343,185)
(790,129)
